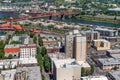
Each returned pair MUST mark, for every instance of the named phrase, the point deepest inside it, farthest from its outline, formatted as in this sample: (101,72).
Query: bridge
(50,14)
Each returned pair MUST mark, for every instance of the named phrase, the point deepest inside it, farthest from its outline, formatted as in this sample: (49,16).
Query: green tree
(46,63)
(32,35)
(43,77)
(43,51)
(87,72)
(38,50)
(15,42)
(39,59)
(40,41)
(10,56)
(92,69)
(82,71)
(3,67)
(35,39)
(1,54)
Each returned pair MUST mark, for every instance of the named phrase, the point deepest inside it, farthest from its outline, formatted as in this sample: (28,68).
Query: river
(72,20)
(7,14)
(88,22)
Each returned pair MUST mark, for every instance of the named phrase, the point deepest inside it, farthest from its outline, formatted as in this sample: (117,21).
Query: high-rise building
(79,52)
(75,45)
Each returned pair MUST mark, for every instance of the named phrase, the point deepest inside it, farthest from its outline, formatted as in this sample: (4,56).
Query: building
(113,52)
(28,51)
(94,78)
(60,56)
(101,44)
(13,50)
(84,64)
(109,63)
(91,35)
(107,32)
(79,52)
(1,77)
(8,74)
(10,26)
(55,56)
(113,39)
(23,39)
(70,1)
(28,54)
(3,37)
(52,49)
(75,45)
(66,69)
(113,75)
(9,63)
(28,73)
(49,41)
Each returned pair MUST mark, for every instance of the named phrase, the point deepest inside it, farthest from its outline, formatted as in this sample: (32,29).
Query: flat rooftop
(33,72)
(9,74)
(55,56)
(83,64)
(27,61)
(104,29)
(94,78)
(65,63)
(28,46)
(116,56)
(12,46)
(49,39)
(117,51)
(109,61)
(91,31)
(115,74)
(102,40)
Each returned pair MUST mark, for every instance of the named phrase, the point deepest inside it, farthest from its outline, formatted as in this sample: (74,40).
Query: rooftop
(116,56)
(115,51)
(102,40)
(74,32)
(31,70)
(94,78)
(50,39)
(115,74)
(9,74)
(91,31)
(12,46)
(28,46)
(105,29)
(16,26)
(83,64)
(66,63)
(109,61)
